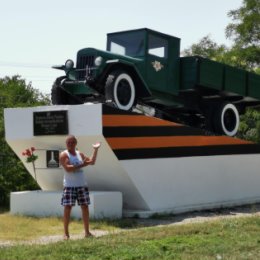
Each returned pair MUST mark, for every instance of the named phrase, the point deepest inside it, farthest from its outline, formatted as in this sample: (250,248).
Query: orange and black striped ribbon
(136,136)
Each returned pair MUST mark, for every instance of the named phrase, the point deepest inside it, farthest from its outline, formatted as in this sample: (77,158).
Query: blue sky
(38,34)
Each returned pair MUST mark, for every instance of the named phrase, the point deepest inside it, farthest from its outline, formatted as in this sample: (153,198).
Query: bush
(14,92)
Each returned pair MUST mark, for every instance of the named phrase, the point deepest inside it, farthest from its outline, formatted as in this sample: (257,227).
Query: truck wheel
(226,119)
(57,94)
(120,89)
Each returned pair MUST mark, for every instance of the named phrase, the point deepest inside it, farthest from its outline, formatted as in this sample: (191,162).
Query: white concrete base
(107,204)
(178,210)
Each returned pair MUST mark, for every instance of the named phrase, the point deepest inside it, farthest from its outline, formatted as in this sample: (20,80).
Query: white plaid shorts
(71,194)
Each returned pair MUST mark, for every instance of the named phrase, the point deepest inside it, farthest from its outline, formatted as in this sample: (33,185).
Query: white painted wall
(85,122)
(196,182)
(47,203)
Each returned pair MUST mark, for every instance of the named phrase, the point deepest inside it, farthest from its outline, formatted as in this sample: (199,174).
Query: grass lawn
(236,238)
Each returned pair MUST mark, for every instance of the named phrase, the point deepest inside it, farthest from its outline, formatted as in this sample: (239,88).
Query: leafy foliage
(30,156)
(245,31)
(245,34)
(207,48)
(14,92)
(249,128)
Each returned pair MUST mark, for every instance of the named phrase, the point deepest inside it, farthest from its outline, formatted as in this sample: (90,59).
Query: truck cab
(136,65)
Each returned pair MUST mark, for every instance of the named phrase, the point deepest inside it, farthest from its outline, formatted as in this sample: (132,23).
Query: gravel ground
(180,219)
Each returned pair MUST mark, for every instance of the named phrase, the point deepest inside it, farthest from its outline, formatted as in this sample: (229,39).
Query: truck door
(157,67)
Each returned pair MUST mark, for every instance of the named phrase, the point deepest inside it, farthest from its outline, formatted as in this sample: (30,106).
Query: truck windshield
(128,43)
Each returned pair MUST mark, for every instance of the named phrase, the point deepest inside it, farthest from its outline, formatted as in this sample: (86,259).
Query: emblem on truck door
(157,65)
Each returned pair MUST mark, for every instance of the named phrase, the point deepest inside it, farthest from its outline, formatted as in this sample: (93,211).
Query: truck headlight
(69,64)
(98,61)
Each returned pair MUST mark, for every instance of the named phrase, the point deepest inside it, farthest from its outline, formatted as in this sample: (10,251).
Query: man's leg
(85,218)
(66,221)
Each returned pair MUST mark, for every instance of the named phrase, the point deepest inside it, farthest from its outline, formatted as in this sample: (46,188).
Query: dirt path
(50,239)
(180,219)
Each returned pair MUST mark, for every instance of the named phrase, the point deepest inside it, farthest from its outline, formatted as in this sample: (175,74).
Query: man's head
(71,142)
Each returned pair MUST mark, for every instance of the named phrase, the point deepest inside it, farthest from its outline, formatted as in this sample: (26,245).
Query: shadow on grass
(166,219)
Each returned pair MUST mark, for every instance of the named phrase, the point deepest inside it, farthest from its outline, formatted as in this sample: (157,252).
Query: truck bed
(218,77)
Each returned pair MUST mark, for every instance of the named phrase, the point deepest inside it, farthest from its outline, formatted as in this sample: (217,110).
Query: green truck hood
(109,55)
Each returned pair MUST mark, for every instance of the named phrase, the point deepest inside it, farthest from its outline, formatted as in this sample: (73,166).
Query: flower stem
(34,170)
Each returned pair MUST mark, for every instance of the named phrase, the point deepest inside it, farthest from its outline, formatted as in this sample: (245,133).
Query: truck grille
(85,66)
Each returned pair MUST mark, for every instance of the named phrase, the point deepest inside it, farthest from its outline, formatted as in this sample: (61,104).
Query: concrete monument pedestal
(157,165)
(47,203)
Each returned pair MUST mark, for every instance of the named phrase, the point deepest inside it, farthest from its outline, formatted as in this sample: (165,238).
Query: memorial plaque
(52,159)
(50,123)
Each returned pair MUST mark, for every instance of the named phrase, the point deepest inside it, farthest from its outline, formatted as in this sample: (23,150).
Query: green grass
(20,228)
(237,238)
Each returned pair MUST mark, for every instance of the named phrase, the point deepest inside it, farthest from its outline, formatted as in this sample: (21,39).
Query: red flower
(28,152)
(30,156)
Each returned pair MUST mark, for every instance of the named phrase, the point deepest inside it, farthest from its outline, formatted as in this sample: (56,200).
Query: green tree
(207,48)
(14,92)
(250,126)
(245,33)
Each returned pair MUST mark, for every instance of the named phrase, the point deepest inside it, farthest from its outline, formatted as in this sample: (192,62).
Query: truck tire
(120,89)
(57,94)
(226,119)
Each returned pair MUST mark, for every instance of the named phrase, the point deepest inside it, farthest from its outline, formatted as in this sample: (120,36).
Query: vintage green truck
(143,67)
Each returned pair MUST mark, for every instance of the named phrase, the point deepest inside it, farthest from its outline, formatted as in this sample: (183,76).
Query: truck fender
(120,90)
(142,90)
